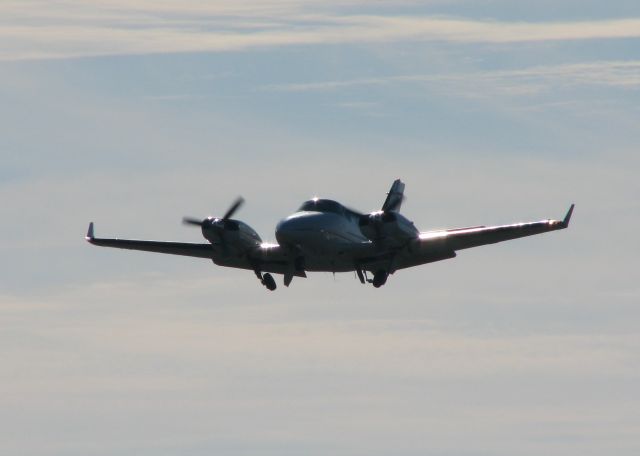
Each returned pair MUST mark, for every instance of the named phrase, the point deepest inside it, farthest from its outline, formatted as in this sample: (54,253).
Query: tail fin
(394,197)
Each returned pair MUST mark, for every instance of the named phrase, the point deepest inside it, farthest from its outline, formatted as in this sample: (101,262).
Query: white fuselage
(331,240)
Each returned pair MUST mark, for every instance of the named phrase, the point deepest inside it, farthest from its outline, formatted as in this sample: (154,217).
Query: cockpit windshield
(322,205)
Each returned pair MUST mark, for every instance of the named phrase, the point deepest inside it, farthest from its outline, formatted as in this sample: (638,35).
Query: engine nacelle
(387,225)
(233,236)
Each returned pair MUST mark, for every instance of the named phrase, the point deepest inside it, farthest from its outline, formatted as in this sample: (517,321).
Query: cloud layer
(528,347)
(42,30)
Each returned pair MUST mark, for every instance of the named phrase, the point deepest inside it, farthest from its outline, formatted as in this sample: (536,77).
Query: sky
(132,114)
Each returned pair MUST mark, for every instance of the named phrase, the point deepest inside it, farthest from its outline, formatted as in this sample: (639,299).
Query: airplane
(324,235)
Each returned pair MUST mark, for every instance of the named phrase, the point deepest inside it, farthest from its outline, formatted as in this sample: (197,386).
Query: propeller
(217,225)
(226,219)
(234,207)
(193,221)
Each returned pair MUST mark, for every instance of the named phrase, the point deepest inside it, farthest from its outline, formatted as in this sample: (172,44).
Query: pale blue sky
(491,112)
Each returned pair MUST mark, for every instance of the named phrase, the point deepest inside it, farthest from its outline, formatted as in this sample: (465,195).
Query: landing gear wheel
(380,278)
(269,282)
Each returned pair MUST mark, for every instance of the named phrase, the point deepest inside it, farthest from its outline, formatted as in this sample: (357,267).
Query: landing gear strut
(266,280)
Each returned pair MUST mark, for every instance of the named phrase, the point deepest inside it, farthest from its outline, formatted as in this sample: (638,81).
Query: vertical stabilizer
(394,197)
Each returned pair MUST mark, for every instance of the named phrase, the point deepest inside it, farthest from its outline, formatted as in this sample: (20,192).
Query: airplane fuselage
(331,237)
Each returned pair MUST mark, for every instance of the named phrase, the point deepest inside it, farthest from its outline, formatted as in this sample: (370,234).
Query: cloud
(528,346)
(43,31)
(525,81)
(118,364)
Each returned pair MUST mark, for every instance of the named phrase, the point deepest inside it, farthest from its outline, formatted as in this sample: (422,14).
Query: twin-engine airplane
(324,235)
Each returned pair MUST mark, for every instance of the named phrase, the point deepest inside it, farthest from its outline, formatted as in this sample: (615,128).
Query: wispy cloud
(525,81)
(37,30)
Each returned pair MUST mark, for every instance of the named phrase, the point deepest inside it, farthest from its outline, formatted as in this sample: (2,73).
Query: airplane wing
(268,257)
(464,238)
(172,248)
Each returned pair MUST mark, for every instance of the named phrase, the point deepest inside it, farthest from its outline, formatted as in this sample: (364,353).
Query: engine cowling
(387,225)
(231,235)
(377,224)
(215,229)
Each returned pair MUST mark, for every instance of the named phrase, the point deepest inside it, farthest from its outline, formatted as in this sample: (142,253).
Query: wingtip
(89,237)
(567,218)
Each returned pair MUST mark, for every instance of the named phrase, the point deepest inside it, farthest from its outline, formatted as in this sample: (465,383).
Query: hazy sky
(132,114)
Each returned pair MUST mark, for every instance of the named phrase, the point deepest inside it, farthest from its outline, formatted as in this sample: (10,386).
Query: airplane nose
(292,229)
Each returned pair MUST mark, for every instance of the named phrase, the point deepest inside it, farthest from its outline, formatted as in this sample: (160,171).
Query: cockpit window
(322,205)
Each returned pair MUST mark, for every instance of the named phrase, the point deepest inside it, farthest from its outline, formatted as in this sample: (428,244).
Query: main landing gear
(379,278)
(266,280)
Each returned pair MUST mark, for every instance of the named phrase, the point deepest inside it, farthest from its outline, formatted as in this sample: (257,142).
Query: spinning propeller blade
(225,223)
(192,221)
(234,207)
